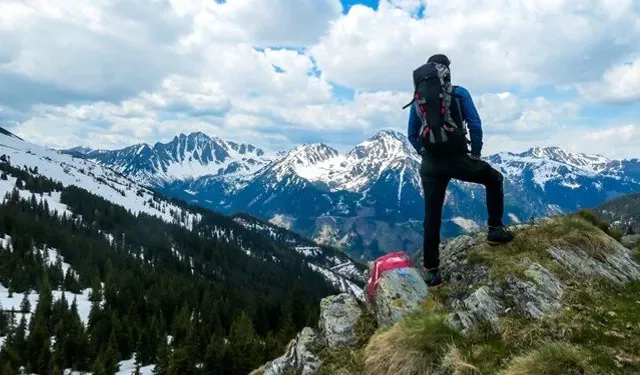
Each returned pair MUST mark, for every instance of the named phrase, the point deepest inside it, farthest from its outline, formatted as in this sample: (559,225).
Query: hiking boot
(499,235)
(432,277)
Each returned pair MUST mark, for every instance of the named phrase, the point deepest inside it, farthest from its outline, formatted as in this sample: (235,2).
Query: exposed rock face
(298,359)
(536,297)
(532,295)
(399,292)
(617,266)
(339,316)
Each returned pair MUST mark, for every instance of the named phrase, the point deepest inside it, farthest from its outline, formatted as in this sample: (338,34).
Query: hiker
(437,132)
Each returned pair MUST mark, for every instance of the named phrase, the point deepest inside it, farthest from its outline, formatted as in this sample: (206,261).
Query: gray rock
(482,305)
(534,299)
(298,358)
(339,316)
(630,241)
(617,264)
(399,292)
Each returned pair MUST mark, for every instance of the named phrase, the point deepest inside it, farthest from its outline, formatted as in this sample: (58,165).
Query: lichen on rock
(299,357)
(339,316)
(399,292)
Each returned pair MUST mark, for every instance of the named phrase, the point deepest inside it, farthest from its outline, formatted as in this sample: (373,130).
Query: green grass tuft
(551,359)
(414,346)
(601,224)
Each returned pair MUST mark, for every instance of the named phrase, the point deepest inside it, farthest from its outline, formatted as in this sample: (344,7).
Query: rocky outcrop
(299,357)
(530,279)
(531,294)
(399,292)
(617,266)
(339,316)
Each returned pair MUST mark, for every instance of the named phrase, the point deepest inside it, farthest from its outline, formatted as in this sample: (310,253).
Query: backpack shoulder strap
(408,104)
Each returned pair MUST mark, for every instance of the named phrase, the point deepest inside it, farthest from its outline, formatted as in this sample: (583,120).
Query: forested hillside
(189,300)
(623,212)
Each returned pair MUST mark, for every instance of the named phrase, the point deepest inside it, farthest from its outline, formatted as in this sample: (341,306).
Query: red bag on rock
(385,263)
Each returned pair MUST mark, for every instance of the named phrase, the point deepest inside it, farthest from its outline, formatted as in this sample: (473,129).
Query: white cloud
(103,50)
(615,141)
(506,113)
(492,44)
(619,84)
(110,74)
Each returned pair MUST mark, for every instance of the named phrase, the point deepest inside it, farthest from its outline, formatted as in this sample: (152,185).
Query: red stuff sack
(385,263)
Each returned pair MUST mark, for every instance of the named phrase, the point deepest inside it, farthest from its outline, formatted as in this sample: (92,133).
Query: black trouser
(435,175)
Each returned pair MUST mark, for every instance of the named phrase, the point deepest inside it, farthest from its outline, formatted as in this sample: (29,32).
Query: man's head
(440,59)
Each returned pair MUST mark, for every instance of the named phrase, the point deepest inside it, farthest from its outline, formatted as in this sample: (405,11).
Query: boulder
(298,358)
(630,241)
(339,316)
(398,292)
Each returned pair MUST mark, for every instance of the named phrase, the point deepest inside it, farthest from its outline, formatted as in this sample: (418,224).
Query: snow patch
(467,224)
(89,175)
(340,283)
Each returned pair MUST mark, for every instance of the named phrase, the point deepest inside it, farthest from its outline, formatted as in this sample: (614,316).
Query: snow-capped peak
(309,154)
(354,171)
(186,157)
(590,162)
(309,161)
(385,145)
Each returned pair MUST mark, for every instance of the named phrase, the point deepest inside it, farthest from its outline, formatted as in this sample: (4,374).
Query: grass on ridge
(596,332)
(530,245)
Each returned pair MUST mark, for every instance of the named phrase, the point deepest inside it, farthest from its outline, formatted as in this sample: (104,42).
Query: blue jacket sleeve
(472,118)
(414,128)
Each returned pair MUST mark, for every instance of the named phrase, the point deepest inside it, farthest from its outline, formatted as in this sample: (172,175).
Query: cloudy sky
(278,73)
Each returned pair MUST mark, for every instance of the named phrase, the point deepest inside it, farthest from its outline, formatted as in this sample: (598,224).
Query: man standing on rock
(437,132)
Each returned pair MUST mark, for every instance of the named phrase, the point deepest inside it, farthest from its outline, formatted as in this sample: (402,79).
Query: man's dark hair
(440,59)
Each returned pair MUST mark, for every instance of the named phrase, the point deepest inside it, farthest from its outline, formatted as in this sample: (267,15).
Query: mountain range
(338,270)
(368,200)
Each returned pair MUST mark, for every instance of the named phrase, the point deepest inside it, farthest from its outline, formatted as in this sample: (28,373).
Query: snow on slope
(589,162)
(539,169)
(338,269)
(186,157)
(13,302)
(91,176)
(354,171)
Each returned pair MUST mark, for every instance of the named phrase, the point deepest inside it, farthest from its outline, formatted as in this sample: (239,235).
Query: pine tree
(25,305)
(4,321)
(98,367)
(242,345)
(111,355)
(182,362)
(162,358)
(38,342)
(45,302)
(138,360)
(96,291)
(213,359)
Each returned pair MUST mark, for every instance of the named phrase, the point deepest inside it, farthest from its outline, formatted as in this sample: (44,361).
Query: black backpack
(442,130)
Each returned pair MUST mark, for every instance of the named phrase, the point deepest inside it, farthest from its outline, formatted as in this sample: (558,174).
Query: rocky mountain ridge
(561,298)
(337,198)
